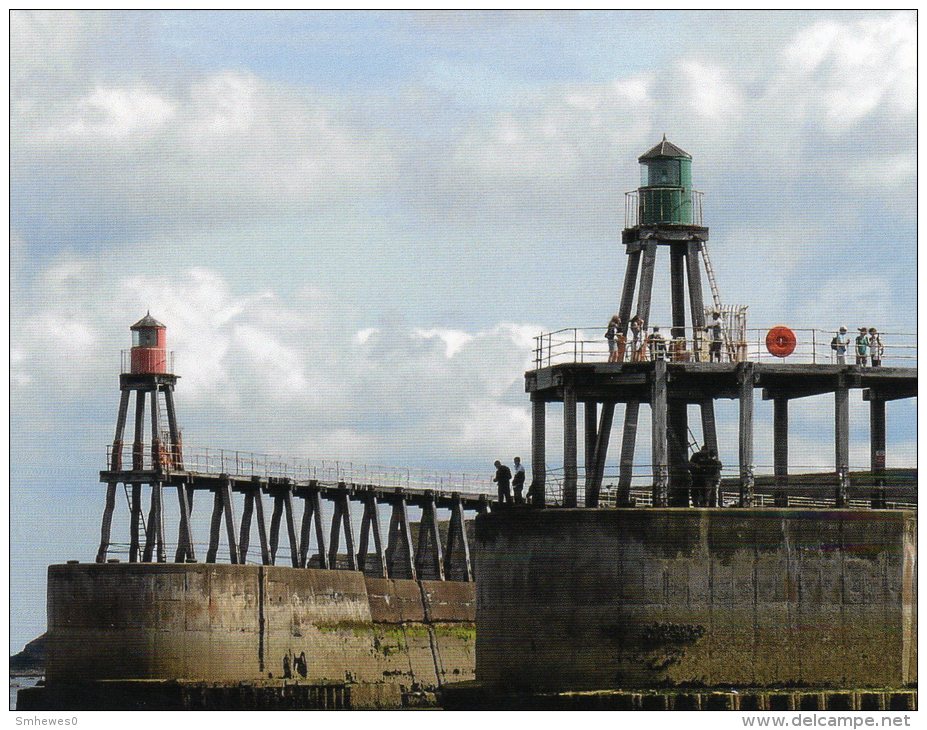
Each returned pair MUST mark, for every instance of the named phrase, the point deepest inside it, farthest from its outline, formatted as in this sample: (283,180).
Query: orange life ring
(780,341)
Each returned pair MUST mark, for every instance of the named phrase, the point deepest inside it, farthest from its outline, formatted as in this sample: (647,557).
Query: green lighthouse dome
(665,194)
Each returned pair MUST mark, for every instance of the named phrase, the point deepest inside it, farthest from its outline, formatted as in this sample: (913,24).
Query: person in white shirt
(518,480)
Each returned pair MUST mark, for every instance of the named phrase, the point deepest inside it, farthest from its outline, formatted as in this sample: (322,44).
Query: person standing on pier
(876,348)
(611,335)
(862,347)
(637,343)
(700,471)
(839,345)
(714,328)
(518,481)
(502,479)
(657,345)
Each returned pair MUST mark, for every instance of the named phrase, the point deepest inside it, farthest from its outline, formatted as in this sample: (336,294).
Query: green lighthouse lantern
(665,194)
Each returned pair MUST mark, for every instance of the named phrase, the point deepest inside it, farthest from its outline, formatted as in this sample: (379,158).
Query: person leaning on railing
(876,348)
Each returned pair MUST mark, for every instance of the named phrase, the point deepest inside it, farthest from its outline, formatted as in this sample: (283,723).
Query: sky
(354,223)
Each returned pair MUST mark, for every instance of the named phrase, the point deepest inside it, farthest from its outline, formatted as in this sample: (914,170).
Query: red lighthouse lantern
(149,346)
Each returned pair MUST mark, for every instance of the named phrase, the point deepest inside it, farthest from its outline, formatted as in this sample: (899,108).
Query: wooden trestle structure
(429,557)
(668,388)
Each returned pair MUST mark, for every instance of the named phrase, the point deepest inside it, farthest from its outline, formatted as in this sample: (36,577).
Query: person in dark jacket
(699,471)
(502,479)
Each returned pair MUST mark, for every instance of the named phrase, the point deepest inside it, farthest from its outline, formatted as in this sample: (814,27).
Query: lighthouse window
(144,338)
(661,173)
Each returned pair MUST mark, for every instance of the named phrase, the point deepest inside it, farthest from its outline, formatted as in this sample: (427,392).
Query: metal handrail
(635,205)
(588,344)
(324,471)
(125,362)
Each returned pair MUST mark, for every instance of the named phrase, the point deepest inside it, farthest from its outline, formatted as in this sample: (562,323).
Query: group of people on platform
(643,347)
(867,346)
(504,480)
(704,470)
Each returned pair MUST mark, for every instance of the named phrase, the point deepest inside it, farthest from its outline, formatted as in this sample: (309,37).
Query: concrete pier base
(572,600)
(177,626)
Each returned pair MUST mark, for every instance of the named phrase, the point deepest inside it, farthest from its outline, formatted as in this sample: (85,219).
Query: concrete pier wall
(229,623)
(600,599)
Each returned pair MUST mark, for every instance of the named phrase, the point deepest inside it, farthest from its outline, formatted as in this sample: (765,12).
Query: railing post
(814,347)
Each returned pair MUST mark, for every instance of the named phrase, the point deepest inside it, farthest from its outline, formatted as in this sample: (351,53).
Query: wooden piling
(538,456)
(227,508)
(781,450)
(600,453)
(569,445)
(745,432)
(877,450)
(627,291)
(658,433)
(842,441)
(429,563)
(590,429)
(215,523)
(626,463)
(256,491)
(457,565)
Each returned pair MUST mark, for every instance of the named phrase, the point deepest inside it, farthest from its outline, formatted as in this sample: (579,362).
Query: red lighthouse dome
(149,346)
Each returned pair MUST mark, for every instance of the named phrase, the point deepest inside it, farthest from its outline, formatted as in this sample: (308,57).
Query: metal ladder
(716,298)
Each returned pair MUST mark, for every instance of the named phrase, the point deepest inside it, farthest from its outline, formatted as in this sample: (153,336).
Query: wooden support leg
(781,450)
(185,550)
(342,519)
(677,449)
(290,523)
(745,376)
(626,464)
(696,303)
(710,439)
(107,524)
(377,540)
(678,289)
(348,527)
(261,524)
(538,457)
(158,489)
(627,292)
(400,552)
(371,523)
(600,453)
(590,428)
(136,520)
(244,534)
(138,447)
(316,498)
(155,433)
(150,538)
(230,521)
(305,532)
(457,565)
(569,446)
(215,523)
(658,433)
(429,561)
(646,290)
(151,532)
(842,442)
(176,457)
(115,464)
(275,525)
(877,451)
